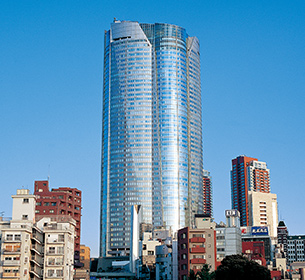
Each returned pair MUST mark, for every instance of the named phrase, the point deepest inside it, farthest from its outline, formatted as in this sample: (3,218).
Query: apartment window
(38,203)
(50,272)
(17,237)
(59,273)
(25,200)
(52,250)
(59,261)
(53,203)
(51,211)
(9,237)
(51,261)
(46,204)
(60,250)
(25,217)
(61,238)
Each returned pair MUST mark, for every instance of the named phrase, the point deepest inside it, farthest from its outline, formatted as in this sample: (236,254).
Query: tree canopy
(237,267)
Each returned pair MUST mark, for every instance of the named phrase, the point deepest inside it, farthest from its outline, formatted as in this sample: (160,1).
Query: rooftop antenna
(49,173)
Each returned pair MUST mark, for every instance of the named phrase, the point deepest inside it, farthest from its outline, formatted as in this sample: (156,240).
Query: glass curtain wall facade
(152,131)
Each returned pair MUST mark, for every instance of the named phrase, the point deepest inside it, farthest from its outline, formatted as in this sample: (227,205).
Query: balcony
(10,240)
(197,249)
(37,249)
(13,251)
(36,272)
(197,240)
(10,275)
(54,253)
(11,263)
(198,261)
(37,260)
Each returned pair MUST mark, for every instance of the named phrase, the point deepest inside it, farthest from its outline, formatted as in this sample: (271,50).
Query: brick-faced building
(196,246)
(60,201)
(207,193)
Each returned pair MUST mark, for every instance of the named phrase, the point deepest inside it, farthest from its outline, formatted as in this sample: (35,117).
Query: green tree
(205,274)
(192,275)
(237,267)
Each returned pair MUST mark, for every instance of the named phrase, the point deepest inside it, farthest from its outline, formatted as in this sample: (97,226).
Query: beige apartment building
(263,211)
(196,246)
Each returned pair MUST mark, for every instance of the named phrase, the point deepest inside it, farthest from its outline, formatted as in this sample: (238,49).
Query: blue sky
(253,91)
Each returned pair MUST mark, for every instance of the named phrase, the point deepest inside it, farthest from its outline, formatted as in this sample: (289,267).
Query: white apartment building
(58,246)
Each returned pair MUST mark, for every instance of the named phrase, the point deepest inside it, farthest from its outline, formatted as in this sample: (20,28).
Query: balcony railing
(198,261)
(197,240)
(11,262)
(197,249)
(10,274)
(11,240)
(13,251)
(54,253)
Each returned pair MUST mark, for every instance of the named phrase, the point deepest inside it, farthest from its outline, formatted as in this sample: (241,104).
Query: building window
(17,237)
(51,250)
(25,217)
(51,261)
(60,250)
(53,203)
(9,237)
(59,273)
(25,200)
(51,211)
(50,272)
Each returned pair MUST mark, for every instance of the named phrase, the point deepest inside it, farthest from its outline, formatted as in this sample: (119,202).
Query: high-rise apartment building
(248,174)
(152,130)
(63,201)
(207,193)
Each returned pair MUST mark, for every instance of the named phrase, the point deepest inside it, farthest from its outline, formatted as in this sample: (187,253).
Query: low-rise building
(228,236)
(85,256)
(250,234)
(296,248)
(36,250)
(196,246)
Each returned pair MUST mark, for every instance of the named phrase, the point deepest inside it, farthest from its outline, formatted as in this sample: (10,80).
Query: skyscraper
(152,131)
(248,174)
